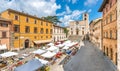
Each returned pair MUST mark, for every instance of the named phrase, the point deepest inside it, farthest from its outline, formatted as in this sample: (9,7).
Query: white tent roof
(8,54)
(3,47)
(66,47)
(48,54)
(60,45)
(39,51)
(43,61)
(50,44)
(52,48)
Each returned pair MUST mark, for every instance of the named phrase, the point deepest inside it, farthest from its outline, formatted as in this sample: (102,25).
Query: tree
(66,31)
(53,19)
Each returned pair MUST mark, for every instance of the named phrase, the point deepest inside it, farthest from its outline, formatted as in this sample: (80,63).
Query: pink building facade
(5,32)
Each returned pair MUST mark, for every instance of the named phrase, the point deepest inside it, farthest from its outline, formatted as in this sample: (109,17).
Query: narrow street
(89,58)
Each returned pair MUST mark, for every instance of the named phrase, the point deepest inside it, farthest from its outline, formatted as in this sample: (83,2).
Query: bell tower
(86,22)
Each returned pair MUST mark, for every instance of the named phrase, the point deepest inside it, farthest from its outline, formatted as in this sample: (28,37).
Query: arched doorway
(27,43)
(77,31)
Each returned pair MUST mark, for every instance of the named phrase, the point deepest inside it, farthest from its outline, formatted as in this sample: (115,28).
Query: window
(106,34)
(110,17)
(46,31)
(110,34)
(3,34)
(111,51)
(35,21)
(50,31)
(35,37)
(27,20)
(16,37)
(46,24)
(16,28)
(41,31)
(3,24)
(41,23)
(27,29)
(116,34)
(16,17)
(35,29)
(83,28)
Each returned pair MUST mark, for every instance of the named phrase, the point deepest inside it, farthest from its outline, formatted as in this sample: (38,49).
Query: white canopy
(52,48)
(3,47)
(39,51)
(43,61)
(66,47)
(60,45)
(50,44)
(48,54)
(8,54)
(67,42)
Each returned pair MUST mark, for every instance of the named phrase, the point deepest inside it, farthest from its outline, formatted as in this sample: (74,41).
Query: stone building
(79,28)
(109,25)
(28,30)
(5,35)
(118,33)
(96,32)
(58,33)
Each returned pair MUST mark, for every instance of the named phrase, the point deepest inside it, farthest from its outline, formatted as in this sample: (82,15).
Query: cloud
(75,15)
(35,7)
(73,1)
(90,10)
(67,11)
(90,2)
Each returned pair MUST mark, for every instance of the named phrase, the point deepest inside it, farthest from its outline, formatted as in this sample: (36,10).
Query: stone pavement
(57,66)
(89,58)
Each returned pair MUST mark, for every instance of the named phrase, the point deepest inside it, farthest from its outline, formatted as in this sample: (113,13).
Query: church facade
(79,28)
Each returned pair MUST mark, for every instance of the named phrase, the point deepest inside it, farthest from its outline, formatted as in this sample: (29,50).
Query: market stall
(48,54)
(39,51)
(50,44)
(53,49)
(8,54)
(31,65)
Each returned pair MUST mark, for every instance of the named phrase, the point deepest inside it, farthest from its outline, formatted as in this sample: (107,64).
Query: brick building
(109,25)
(5,29)
(96,32)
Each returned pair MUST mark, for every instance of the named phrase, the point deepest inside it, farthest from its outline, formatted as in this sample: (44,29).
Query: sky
(66,10)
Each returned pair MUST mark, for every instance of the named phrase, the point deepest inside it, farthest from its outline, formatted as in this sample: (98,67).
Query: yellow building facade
(28,30)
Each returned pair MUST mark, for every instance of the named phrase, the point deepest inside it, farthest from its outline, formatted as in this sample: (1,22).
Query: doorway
(27,43)
(77,32)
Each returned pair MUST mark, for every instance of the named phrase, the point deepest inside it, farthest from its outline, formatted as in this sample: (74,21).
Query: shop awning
(8,54)
(42,41)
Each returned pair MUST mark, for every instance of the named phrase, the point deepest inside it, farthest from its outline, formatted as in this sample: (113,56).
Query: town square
(59,35)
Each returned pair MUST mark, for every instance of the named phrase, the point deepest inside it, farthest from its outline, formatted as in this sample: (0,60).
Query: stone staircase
(75,37)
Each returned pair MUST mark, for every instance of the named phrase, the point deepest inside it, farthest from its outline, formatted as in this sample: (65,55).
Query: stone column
(118,34)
